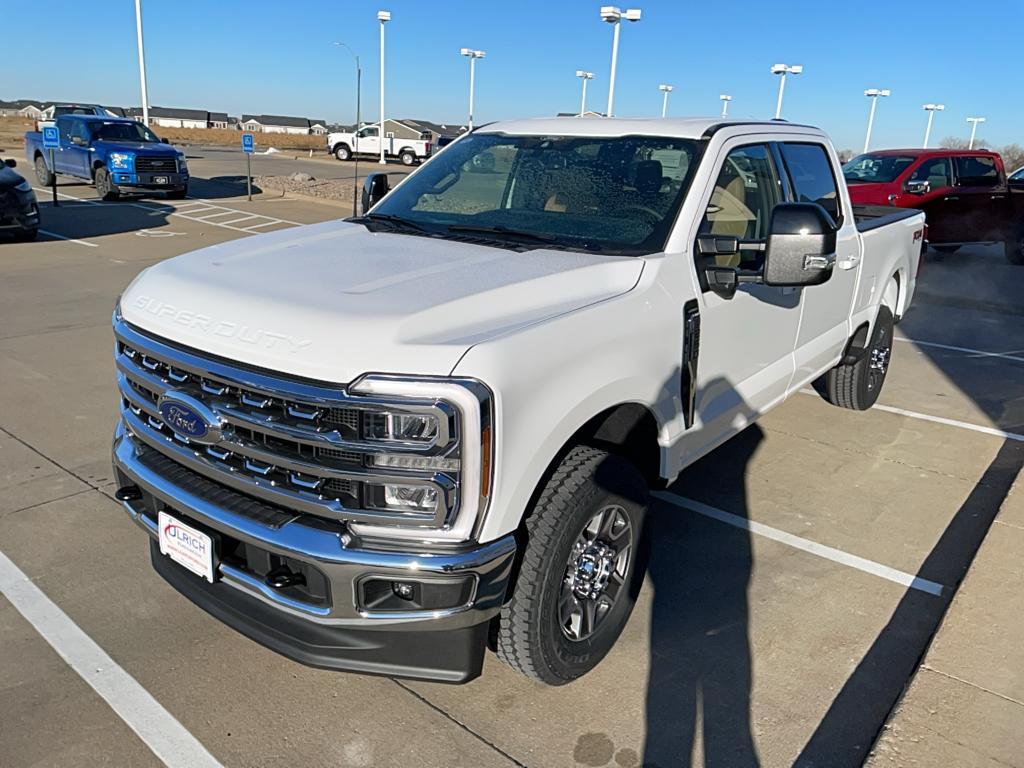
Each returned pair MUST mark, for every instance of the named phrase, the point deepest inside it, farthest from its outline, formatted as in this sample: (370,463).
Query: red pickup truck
(965,194)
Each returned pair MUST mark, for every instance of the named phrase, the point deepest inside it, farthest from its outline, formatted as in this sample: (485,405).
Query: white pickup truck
(345,145)
(374,444)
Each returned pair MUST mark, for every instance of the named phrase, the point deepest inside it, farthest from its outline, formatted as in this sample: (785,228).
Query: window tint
(368,132)
(79,130)
(936,172)
(811,172)
(1018,175)
(744,195)
(976,172)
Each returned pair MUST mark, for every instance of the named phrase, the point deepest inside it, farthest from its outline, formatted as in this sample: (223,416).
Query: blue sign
(50,138)
(248,144)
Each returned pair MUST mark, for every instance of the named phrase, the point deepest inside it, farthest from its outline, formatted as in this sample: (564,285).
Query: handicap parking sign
(50,139)
(248,145)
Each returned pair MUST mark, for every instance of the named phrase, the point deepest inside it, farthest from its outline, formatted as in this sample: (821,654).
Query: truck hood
(332,301)
(149,147)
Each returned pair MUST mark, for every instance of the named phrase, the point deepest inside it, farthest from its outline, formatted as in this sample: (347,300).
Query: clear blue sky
(278,58)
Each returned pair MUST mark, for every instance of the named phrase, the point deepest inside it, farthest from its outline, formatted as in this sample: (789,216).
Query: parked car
(115,154)
(19,212)
(374,444)
(965,194)
(344,145)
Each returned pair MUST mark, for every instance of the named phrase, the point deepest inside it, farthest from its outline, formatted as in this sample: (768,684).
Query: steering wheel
(653,214)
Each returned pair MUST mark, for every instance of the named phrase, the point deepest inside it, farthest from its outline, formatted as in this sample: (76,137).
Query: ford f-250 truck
(113,153)
(373,444)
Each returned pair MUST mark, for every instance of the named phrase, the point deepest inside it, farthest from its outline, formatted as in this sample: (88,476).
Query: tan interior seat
(729,215)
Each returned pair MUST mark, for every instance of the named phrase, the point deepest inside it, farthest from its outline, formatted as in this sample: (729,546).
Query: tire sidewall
(569,659)
(407,158)
(342,153)
(881,335)
(42,172)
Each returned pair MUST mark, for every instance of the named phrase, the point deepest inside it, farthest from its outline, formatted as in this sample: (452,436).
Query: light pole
(584,76)
(665,89)
(873,94)
(974,128)
(355,133)
(472,56)
(783,70)
(383,17)
(614,16)
(726,98)
(142,62)
(931,109)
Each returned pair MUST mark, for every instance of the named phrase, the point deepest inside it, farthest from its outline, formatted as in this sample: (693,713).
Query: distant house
(429,130)
(299,126)
(33,109)
(172,117)
(9,108)
(218,120)
(234,123)
(318,127)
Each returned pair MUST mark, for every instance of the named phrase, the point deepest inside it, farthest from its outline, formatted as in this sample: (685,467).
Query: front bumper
(337,629)
(18,211)
(149,180)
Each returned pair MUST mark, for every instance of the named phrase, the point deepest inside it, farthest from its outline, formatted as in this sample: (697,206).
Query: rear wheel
(408,157)
(856,385)
(105,188)
(342,152)
(43,175)
(581,570)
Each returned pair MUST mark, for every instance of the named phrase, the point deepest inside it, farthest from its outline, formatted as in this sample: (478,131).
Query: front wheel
(43,174)
(105,188)
(1015,249)
(342,152)
(407,157)
(581,571)
(856,385)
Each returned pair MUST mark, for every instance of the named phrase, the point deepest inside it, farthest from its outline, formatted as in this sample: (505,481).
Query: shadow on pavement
(700,666)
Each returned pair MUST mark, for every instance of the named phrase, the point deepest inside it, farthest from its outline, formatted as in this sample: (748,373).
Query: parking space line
(262,224)
(965,350)
(938,420)
(48,233)
(159,730)
(244,218)
(806,545)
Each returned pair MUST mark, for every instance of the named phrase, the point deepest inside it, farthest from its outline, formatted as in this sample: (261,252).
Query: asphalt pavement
(825,579)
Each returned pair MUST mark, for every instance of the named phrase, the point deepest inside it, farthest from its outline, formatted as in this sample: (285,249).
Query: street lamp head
(933,107)
(472,53)
(665,88)
(585,75)
(383,16)
(610,13)
(786,69)
(632,14)
(877,92)
(725,97)
(975,119)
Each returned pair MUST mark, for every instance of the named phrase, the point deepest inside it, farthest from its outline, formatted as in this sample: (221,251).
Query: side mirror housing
(801,247)
(917,187)
(374,188)
(10,162)
(165,141)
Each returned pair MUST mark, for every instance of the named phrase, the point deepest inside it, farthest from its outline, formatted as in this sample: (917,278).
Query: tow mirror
(10,162)
(801,247)
(917,187)
(165,141)
(374,188)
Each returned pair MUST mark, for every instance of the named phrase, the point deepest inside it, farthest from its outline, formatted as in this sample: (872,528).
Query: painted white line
(806,545)
(48,233)
(286,221)
(965,350)
(244,218)
(938,420)
(208,216)
(158,728)
(265,224)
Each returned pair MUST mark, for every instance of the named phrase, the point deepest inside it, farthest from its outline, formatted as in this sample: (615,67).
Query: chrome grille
(293,445)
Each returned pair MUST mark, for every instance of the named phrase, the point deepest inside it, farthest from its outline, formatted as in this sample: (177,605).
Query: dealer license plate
(187,546)
(159,179)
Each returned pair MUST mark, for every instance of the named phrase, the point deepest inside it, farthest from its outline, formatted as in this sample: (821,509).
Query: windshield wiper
(503,232)
(395,221)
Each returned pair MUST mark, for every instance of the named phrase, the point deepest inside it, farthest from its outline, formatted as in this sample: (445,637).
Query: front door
(939,201)
(368,141)
(745,361)
(981,199)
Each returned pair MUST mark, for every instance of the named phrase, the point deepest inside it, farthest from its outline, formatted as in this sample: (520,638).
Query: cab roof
(675,127)
(938,152)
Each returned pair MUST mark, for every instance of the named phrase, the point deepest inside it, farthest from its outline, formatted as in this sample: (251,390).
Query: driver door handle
(951,197)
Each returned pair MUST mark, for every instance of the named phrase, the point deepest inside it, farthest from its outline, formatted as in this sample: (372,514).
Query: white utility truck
(381,444)
(345,145)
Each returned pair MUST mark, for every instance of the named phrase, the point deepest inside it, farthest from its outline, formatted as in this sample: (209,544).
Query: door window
(976,172)
(936,172)
(812,176)
(368,133)
(744,195)
(79,132)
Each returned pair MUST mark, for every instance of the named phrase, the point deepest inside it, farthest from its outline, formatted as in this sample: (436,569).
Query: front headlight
(182,165)
(433,442)
(121,161)
(23,186)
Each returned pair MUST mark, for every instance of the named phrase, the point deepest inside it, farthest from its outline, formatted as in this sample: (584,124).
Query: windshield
(613,195)
(876,169)
(122,131)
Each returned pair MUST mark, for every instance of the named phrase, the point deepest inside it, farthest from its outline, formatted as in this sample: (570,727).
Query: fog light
(403,589)
(414,497)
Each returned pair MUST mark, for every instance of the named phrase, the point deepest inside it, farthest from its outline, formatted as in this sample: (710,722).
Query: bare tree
(1012,154)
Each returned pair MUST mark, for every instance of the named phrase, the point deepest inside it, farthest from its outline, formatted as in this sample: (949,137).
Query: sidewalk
(965,705)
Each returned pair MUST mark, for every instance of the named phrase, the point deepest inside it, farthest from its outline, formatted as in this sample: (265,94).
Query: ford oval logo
(189,417)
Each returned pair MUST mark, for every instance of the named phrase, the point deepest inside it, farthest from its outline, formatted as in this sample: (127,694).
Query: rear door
(825,315)
(940,210)
(62,155)
(76,154)
(981,198)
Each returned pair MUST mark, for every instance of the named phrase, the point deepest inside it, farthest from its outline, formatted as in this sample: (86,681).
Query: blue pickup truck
(113,153)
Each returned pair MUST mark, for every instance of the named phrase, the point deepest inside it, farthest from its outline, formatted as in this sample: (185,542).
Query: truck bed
(870,217)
